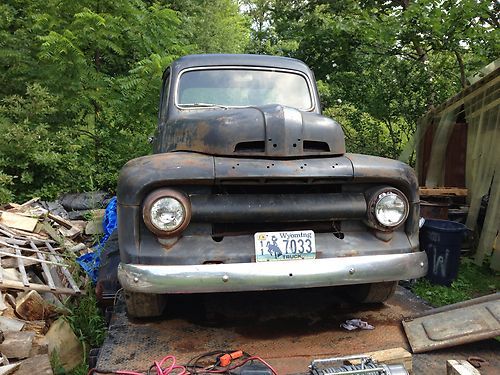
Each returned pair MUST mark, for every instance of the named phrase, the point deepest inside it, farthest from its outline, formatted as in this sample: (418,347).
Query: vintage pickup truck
(250,188)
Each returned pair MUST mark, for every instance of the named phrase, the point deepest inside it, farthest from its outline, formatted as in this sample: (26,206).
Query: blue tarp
(91,262)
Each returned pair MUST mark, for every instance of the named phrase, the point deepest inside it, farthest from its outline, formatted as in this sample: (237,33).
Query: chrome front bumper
(291,274)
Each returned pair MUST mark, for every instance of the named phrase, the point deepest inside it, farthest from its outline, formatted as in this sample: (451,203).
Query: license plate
(292,245)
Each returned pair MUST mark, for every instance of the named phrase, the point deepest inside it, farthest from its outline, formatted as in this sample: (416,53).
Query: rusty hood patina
(264,131)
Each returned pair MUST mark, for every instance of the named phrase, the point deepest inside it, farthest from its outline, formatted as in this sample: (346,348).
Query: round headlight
(390,209)
(166,212)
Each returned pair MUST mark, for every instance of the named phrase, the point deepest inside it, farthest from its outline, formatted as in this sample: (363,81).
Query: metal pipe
(255,208)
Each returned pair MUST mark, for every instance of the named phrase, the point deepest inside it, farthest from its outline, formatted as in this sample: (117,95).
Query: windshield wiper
(194,105)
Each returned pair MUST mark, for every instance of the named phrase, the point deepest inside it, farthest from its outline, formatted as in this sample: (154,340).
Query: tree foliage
(391,59)
(81,79)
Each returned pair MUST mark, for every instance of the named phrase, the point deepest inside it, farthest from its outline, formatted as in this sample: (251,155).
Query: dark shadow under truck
(250,188)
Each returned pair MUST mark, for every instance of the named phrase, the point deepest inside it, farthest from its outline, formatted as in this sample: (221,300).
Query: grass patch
(472,281)
(86,319)
(89,326)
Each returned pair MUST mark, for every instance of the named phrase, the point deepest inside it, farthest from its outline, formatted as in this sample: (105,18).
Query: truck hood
(267,131)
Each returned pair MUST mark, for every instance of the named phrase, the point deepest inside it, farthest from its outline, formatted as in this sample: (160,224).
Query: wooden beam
(443,191)
(64,270)
(393,356)
(460,367)
(17,285)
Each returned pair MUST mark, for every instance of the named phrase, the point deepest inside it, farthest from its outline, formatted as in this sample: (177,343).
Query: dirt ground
(287,328)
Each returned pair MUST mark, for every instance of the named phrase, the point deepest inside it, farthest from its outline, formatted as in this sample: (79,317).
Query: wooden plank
(64,270)
(6,233)
(17,344)
(18,221)
(460,367)
(59,220)
(26,249)
(54,234)
(17,285)
(46,271)
(12,262)
(393,356)
(13,241)
(443,191)
(9,369)
(28,203)
(20,234)
(20,265)
(29,258)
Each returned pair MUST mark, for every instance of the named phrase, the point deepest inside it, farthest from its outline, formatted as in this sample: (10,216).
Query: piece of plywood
(16,221)
(456,326)
(460,367)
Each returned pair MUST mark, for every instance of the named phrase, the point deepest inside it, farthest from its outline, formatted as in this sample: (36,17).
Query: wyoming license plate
(272,246)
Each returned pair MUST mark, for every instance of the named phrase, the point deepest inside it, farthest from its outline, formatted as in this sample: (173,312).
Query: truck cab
(250,188)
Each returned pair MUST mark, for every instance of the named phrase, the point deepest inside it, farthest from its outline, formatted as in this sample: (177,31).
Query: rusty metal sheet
(460,324)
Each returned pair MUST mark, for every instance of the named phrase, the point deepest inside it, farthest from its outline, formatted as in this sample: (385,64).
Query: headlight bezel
(374,197)
(155,196)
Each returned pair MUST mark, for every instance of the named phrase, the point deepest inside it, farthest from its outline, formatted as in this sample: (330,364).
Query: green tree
(391,59)
(212,26)
(34,156)
(103,61)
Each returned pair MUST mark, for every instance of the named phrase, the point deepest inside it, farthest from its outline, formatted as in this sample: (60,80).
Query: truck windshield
(242,87)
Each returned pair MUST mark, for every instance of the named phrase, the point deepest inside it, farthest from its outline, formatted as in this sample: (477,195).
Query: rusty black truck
(250,188)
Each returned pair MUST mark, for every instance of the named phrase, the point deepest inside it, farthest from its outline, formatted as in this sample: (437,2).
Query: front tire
(142,305)
(373,293)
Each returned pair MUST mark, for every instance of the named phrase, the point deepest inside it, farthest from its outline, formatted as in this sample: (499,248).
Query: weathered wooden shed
(459,146)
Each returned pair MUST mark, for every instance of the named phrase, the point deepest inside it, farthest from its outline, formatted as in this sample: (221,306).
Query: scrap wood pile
(38,273)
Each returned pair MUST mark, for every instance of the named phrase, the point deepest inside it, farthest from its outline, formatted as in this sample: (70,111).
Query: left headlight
(388,208)
(166,212)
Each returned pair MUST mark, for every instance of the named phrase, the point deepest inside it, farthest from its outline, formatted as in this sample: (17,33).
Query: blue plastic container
(442,242)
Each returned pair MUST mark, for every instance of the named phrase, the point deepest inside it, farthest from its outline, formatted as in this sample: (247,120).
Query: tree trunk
(460,61)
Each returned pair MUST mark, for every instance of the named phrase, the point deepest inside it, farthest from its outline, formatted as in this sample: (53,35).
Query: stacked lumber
(38,248)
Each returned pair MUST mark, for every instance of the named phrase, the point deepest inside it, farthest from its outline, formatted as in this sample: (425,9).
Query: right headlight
(166,212)
(388,208)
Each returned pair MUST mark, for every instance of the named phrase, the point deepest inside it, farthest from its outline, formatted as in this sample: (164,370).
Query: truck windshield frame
(257,82)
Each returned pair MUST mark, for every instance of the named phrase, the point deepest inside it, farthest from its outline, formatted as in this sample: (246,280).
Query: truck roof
(190,61)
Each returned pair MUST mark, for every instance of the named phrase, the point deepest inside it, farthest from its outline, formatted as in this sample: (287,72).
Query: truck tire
(373,293)
(142,305)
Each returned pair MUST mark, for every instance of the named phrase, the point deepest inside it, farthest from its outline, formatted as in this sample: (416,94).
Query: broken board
(18,221)
(455,324)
